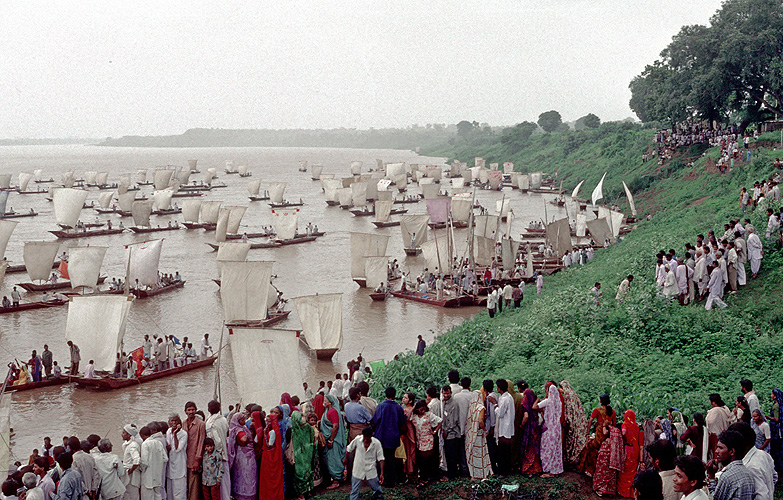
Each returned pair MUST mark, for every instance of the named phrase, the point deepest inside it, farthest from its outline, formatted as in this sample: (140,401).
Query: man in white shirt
(504,427)
(337,387)
(131,459)
(367,453)
(110,470)
(715,288)
(205,346)
(759,463)
(755,252)
(89,372)
(746,386)
(177,444)
(153,459)
(462,400)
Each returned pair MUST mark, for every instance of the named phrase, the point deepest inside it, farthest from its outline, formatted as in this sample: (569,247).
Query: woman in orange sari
(603,415)
(408,438)
(631,438)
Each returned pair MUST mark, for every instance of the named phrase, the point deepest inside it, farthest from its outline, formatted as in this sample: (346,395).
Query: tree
(464,129)
(587,121)
(735,65)
(550,121)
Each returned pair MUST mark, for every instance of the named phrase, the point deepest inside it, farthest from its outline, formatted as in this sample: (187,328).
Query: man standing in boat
(76,357)
(15,297)
(46,360)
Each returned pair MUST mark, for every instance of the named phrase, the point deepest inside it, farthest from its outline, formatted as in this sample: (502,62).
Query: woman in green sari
(333,428)
(302,438)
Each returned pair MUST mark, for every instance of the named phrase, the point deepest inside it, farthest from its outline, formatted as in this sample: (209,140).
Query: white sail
(102,178)
(193,165)
(575,192)
(163,178)
(486,225)
(414,230)
(483,175)
(483,250)
(376,271)
(68,204)
(233,251)
(382,210)
(372,188)
(244,288)
(385,196)
(190,210)
(184,176)
(230,166)
(330,188)
(242,169)
(345,196)
(509,249)
(430,191)
(276,192)
(39,257)
(366,245)
(24,180)
(210,210)
(235,215)
(394,169)
(508,167)
(37,173)
(359,194)
(68,179)
(3,201)
(347,181)
(457,182)
(162,198)
(401,181)
(535,180)
(436,253)
(89,176)
(254,186)
(5,434)
(221,229)
(104,198)
(125,200)
(502,207)
(6,228)
(84,265)
(97,326)
(3,268)
(209,175)
(144,259)
(315,172)
(141,175)
(261,383)
(460,208)
(598,192)
(303,165)
(326,176)
(524,182)
(630,199)
(322,319)
(141,211)
(617,221)
(581,225)
(356,167)
(125,180)
(284,222)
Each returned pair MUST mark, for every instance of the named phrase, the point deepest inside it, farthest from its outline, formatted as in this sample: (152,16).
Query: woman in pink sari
(552,436)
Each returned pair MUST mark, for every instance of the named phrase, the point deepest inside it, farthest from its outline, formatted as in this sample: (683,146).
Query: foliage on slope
(647,353)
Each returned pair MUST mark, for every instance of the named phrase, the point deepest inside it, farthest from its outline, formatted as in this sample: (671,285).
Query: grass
(646,353)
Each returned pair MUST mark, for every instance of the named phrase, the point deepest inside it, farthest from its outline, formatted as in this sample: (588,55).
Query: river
(377,330)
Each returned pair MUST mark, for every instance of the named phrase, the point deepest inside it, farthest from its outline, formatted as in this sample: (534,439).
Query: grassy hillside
(647,353)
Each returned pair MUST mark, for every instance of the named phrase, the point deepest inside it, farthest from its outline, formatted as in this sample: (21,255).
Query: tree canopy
(589,120)
(731,69)
(550,121)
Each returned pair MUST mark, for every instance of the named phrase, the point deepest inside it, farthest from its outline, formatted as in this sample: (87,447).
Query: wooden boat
(167,211)
(321,318)
(274,317)
(44,181)
(333,203)
(105,210)
(358,212)
(386,224)
(264,234)
(87,234)
(399,202)
(146,183)
(559,203)
(40,191)
(195,187)
(413,251)
(316,234)
(427,298)
(88,225)
(143,229)
(539,232)
(294,241)
(110,383)
(44,287)
(287,204)
(546,191)
(209,226)
(16,215)
(187,194)
(246,174)
(378,297)
(38,385)
(259,198)
(143,294)
(31,305)
(20,268)
(443,225)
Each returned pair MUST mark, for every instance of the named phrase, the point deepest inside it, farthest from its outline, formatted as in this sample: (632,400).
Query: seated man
(381,288)
(89,372)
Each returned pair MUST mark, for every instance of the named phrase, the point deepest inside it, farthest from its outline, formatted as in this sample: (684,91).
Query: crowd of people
(730,140)
(334,436)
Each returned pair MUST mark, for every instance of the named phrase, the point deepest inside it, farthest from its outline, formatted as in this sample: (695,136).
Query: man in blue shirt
(388,421)
(70,486)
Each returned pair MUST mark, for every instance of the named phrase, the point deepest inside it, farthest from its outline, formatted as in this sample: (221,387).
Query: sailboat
(276,200)
(162,205)
(414,231)
(104,203)
(315,171)
(330,187)
(437,252)
(598,192)
(243,172)
(365,245)
(38,259)
(24,180)
(210,211)
(632,218)
(284,223)
(254,187)
(247,294)
(322,322)
(230,168)
(382,211)
(142,262)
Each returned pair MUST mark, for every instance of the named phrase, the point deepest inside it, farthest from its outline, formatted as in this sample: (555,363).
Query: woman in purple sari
(530,441)
(242,460)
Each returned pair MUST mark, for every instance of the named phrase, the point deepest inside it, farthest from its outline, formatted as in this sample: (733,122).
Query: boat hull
(275,317)
(86,234)
(33,287)
(31,305)
(425,299)
(412,251)
(143,294)
(136,229)
(38,385)
(386,224)
(110,383)
(378,297)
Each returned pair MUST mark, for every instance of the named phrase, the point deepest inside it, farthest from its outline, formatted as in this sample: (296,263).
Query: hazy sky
(106,68)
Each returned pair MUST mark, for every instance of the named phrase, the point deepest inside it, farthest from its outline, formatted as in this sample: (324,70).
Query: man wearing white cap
(131,458)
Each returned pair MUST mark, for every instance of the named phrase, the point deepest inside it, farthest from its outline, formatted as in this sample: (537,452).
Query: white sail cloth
(104,199)
(84,265)
(630,199)
(144,258)
(125,200)
(359,194)
(382,210)
(254,186)
(24,179)
(141,211)
(190,210)
(436,253)
(414,230)
(97,326)
(162,199)
(330,188)
(285,222)
(244,287)
(39,257)
(376,271)
(260,356)
(68,204)
(484,250)
(598,192)
(6,229)
(162,178)
(509,249)
(210,211)
(366,245)
(322,320)
(276,192)
(460,208)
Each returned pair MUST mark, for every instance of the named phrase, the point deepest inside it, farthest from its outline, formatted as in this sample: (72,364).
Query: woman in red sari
(270,481)
(603,415)
(631,437)
(408,438)
(609,462)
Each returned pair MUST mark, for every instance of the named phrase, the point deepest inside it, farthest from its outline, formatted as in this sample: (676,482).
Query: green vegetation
(647,353)
(732,68)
